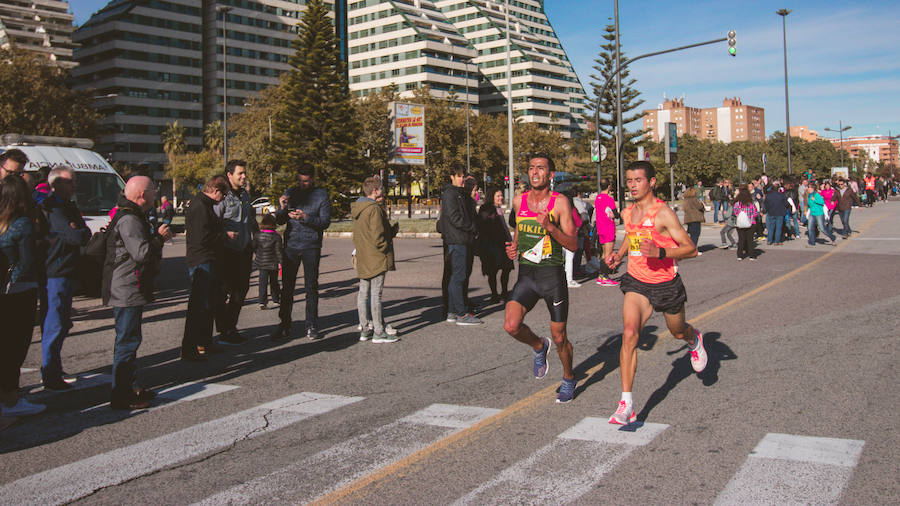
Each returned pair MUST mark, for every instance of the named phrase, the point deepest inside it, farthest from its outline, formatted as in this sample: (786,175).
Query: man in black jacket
(67,234)
(205,241)
(457,228)
(307,212)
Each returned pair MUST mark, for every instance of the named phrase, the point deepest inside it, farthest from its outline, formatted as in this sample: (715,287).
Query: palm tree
(173,141)
(173,145)
(213,137)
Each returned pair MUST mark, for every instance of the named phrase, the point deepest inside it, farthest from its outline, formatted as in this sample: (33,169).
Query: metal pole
(841,128)
(619,136)
(468,150)
(224,10)
(270,147)
(787,110)
(509,113)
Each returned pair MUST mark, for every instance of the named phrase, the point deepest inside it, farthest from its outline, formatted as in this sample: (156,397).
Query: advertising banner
(408,125)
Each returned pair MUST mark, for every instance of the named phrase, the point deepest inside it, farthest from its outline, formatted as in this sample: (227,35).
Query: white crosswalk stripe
(78,479)
(341,464)
(567,468)
(789,469)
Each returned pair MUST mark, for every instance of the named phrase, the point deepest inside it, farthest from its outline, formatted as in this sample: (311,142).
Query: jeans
(57,324)
(845,221)
(236,267)
(369,297)
(693,230)
(817,222)
(726,232)
(458,254)
(774,224)
(128,339)
(448,273)
(17,314)
(268,277)
(717,205)
(290,265)
(202,303)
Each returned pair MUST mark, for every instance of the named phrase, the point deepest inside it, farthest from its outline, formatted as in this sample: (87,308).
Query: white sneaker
(22,408)
(698,356)
(624,414)
(574,284)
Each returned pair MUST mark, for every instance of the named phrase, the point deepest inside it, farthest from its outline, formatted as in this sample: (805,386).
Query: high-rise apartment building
(409,44)
(151,63)
(733,121)
(460,45)
(878,148)
(42,26)
(673,110)
(804,133)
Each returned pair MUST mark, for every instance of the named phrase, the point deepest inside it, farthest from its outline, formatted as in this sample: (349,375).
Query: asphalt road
(799,403)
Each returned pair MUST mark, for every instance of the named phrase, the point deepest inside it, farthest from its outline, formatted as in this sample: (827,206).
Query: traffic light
(595,151)
(732,43)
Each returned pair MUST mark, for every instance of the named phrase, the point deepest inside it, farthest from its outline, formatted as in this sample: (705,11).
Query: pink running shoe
(604,281)
(623,415)
(698,356)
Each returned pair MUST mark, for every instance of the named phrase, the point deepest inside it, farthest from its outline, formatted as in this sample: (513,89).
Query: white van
(98,184)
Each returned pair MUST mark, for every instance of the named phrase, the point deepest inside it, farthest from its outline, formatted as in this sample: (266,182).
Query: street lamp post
(841,129)
(509,111)
(466,61)
(787,110)
(224,9)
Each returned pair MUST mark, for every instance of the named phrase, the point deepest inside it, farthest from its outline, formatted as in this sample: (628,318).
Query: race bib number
(634,242)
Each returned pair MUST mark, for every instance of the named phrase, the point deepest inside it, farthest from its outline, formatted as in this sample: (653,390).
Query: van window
(97,192)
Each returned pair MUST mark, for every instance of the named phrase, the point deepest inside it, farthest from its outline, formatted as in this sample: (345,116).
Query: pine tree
(317,125)
(605,65)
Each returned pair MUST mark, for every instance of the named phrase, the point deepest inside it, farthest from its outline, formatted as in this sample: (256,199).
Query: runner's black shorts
(667,297)
(548,283)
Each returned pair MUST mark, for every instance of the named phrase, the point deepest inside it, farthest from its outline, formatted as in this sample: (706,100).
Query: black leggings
(745,245)
(17,314)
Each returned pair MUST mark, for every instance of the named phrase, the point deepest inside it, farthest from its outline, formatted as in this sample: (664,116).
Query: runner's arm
(512,247)
(564,233)
(668,222)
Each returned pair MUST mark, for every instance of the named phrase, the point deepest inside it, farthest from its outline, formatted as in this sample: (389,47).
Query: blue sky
(843,59)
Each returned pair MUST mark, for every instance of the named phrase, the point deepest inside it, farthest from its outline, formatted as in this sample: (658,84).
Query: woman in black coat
(493,234)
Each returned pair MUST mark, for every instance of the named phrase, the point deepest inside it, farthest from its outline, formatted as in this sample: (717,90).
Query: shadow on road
(681,368)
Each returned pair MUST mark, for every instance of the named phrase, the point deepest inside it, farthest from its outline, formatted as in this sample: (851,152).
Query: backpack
(743,220)
(96,247)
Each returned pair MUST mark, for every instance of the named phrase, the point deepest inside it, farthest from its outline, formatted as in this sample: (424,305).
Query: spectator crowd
(43,240)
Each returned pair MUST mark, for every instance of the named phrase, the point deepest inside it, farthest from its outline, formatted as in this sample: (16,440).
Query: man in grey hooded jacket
(133,254)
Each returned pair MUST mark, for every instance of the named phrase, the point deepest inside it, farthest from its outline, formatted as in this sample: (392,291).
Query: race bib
(537,253)
(634,242)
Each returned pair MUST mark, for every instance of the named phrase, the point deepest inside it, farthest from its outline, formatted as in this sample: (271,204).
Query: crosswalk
(782,468)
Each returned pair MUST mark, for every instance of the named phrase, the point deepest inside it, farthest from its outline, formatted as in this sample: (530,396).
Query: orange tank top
(648,270)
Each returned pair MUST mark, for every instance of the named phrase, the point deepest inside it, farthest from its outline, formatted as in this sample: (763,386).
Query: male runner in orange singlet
(654,242)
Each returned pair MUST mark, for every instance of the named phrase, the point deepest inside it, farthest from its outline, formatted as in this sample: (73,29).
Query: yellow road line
(530,401)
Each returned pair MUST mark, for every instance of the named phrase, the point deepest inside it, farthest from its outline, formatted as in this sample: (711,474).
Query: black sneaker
(57,384)
(313,334)
(281,333)
(232,338)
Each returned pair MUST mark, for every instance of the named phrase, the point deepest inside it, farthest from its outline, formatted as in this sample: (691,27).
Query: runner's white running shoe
(623,415)
(698,356)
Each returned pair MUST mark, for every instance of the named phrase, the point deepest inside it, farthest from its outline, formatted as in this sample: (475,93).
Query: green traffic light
(732,51)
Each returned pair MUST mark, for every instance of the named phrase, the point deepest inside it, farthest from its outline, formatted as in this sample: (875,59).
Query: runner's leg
(563,348)
(636,310)
(515,326)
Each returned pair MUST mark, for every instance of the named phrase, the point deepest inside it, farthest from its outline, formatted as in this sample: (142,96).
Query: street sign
(603,152)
